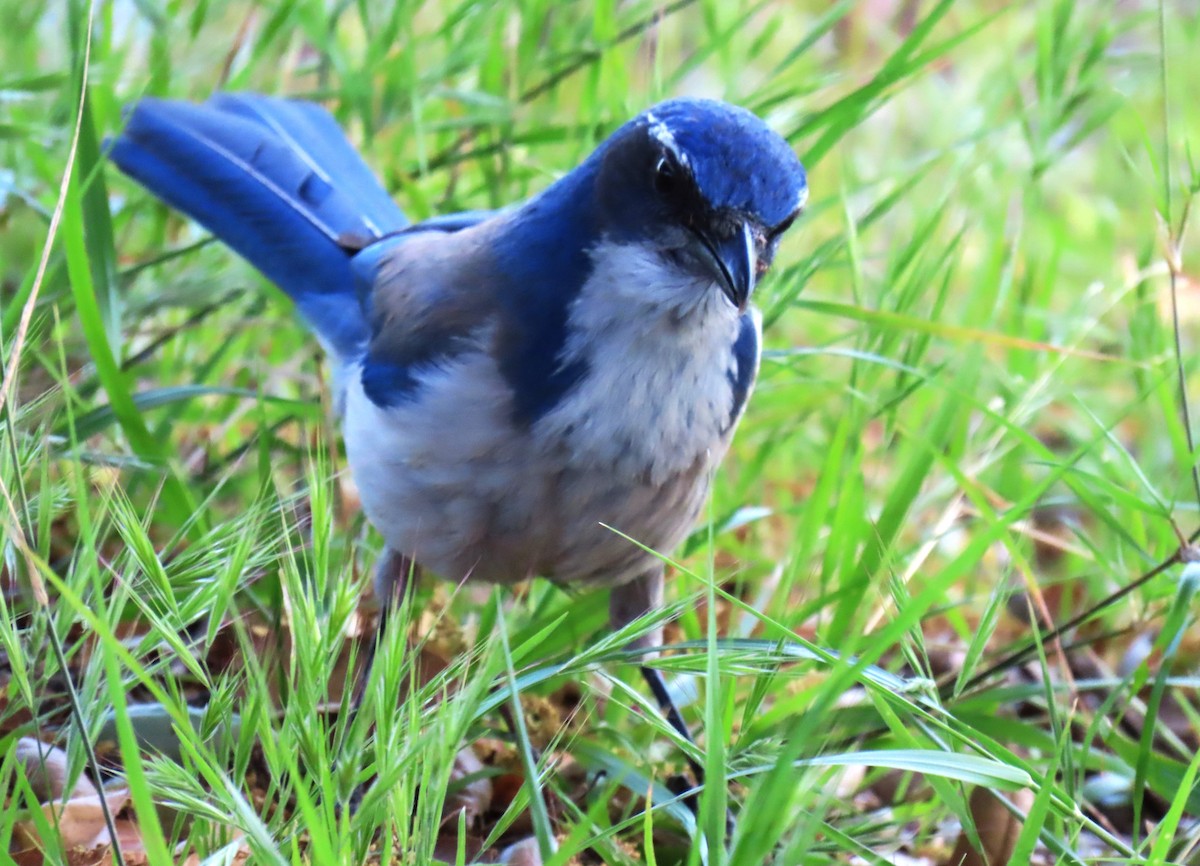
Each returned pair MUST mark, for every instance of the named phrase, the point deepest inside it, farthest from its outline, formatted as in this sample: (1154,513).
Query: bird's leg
(628,602)
(392,575)
(658,688)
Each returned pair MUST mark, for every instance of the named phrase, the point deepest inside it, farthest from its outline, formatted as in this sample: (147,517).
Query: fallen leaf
(77,815)
(998,829)
(46,769)
(523,853)
(471,790)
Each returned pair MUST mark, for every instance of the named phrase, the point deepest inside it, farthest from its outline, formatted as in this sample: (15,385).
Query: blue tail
(277,181)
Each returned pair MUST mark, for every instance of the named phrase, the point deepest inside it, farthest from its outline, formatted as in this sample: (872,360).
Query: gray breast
(657,515)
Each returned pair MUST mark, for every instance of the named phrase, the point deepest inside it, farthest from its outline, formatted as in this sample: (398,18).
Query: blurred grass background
(969,428)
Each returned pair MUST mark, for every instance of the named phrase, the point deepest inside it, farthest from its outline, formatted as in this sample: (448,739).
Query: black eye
(666,176)
(778,231)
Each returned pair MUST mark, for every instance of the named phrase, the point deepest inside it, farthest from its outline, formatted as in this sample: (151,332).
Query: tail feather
(316,137)
(276,181)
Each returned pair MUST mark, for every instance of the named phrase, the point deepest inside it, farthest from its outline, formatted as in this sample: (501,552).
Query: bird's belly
(454,485)
(464,520)
(603,526)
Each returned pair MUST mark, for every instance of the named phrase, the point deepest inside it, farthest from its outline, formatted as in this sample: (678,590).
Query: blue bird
(511,383)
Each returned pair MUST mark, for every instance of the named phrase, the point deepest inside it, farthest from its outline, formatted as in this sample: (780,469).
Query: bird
(541,390)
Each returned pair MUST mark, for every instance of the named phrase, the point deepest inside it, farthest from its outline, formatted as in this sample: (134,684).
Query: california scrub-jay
(511,383)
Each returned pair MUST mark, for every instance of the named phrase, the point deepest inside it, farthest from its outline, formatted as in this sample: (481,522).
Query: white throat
(658,345)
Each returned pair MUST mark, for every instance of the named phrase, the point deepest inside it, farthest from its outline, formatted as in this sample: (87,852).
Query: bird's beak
(733,262)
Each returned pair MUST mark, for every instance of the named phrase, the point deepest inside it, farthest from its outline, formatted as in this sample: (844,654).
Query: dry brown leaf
(998,829)
(473,799)
(78,814)
(240,854)
(46,769)
(523,853)
(447,851)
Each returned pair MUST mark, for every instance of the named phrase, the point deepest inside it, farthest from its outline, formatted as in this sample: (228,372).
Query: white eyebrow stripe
(663,135)
(802,199)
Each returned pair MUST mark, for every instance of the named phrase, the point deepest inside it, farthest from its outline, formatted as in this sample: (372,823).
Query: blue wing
(746,354)
(424,295)
(428,297)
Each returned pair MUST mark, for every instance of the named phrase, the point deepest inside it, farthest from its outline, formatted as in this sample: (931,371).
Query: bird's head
(706,186)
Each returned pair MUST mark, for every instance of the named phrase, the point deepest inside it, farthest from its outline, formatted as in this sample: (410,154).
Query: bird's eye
(666,176)
(778,231)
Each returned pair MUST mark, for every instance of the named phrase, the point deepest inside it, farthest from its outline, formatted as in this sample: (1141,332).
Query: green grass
(970,417)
